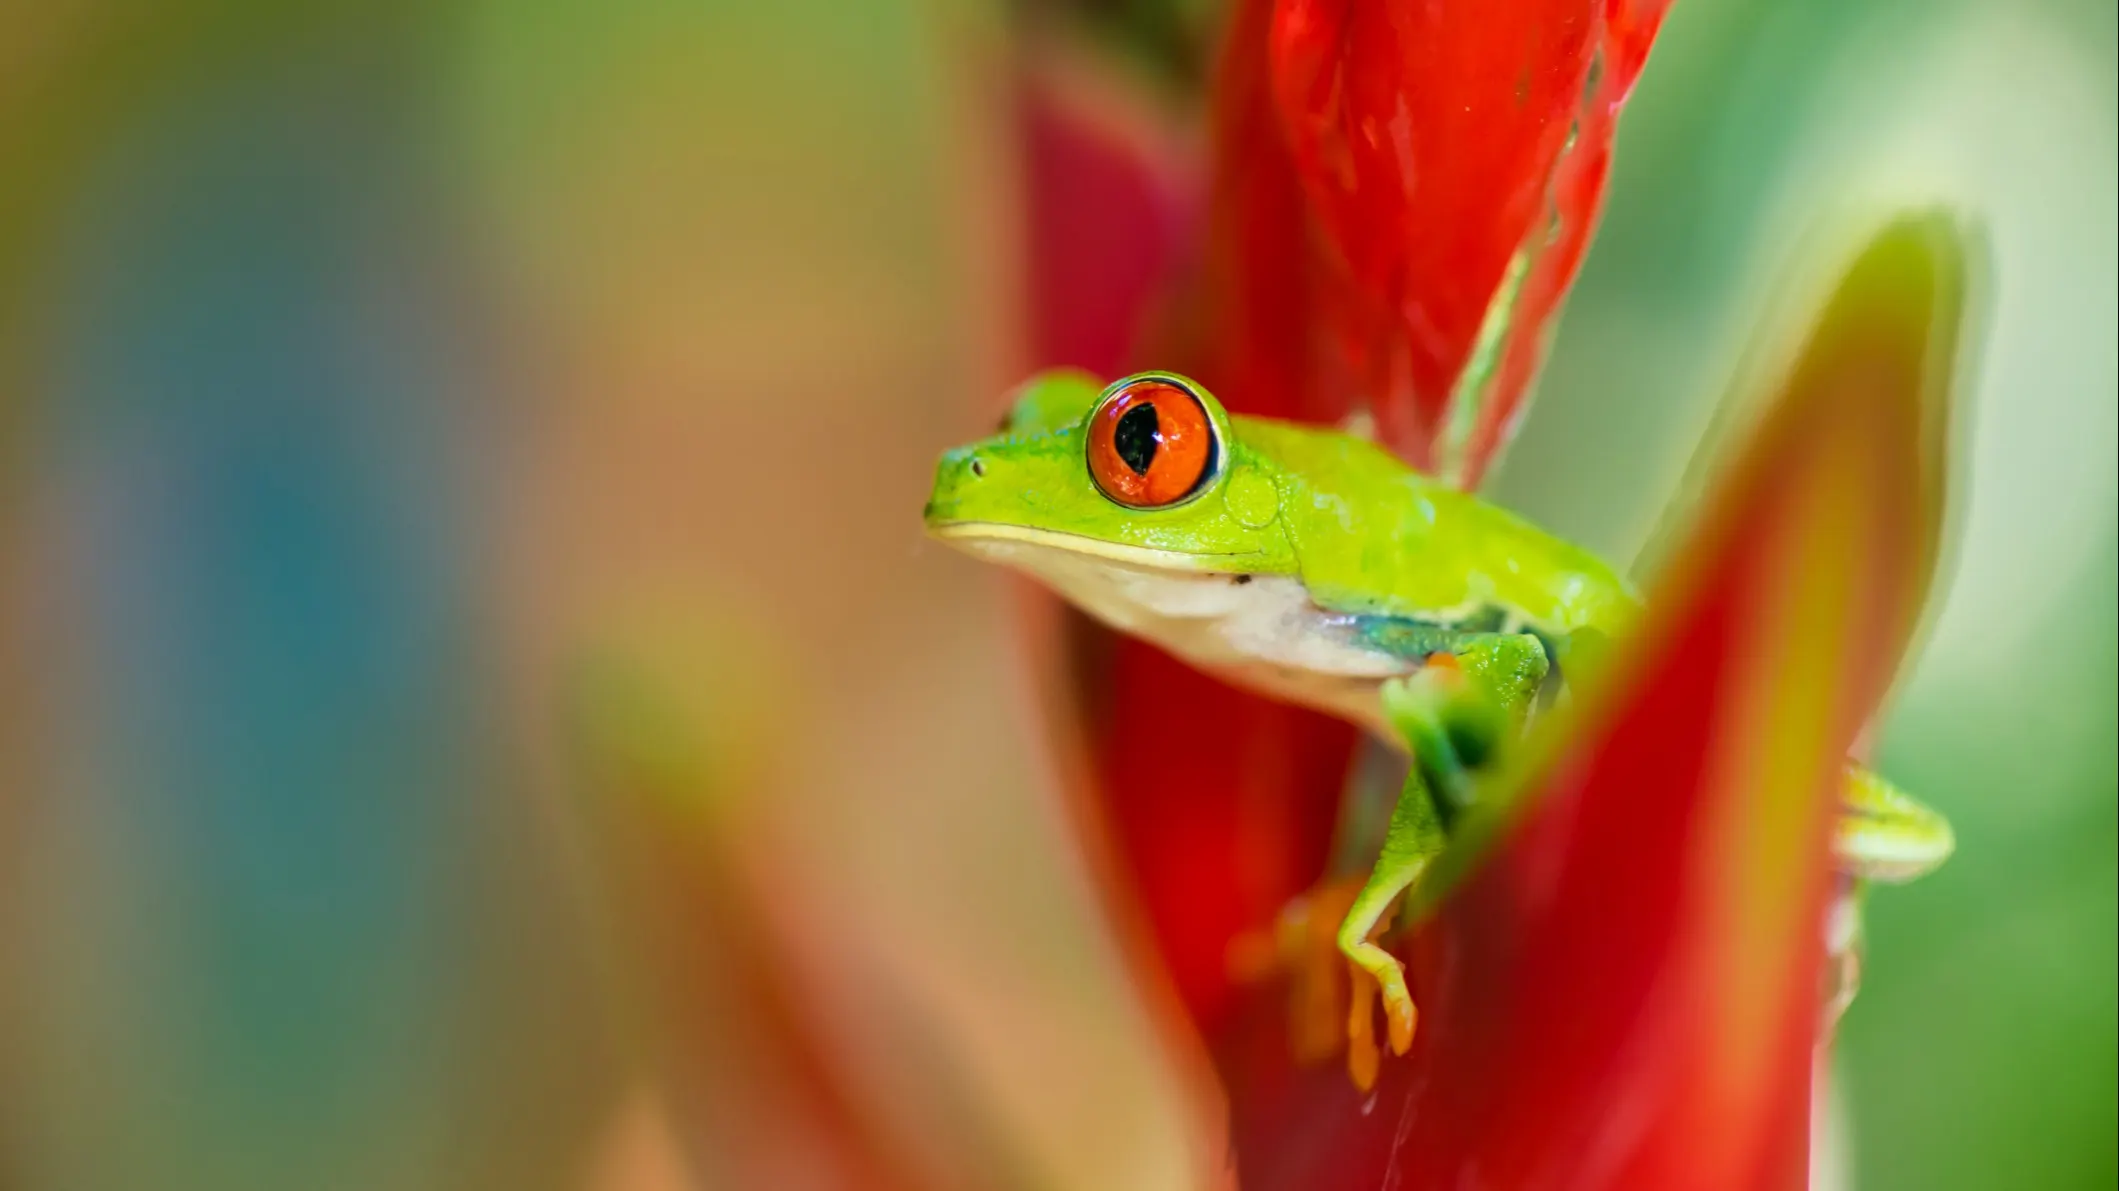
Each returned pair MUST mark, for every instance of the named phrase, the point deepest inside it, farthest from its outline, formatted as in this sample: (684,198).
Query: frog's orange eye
(1151,444)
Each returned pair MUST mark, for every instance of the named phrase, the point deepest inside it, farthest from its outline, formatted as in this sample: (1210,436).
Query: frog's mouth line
(1146,558)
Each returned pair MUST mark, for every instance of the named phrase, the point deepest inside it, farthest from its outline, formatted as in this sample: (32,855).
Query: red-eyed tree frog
(1313,566)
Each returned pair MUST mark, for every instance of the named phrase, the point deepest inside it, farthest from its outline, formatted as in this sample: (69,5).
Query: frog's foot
(1375,973)
(1324,943)
(1302,945)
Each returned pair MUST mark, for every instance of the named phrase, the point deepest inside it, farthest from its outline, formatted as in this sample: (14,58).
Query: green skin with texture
(1313,565)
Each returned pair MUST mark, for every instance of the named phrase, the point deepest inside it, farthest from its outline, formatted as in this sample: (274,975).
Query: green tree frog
(1313,566)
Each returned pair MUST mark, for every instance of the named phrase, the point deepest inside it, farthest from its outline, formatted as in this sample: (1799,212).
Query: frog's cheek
(1252,500)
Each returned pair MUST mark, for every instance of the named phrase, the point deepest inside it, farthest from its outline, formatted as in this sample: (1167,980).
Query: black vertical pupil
(1137,436)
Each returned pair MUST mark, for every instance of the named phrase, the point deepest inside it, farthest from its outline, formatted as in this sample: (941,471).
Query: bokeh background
(480,712)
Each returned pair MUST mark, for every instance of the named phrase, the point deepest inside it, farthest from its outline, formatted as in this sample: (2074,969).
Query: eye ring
(1152,444)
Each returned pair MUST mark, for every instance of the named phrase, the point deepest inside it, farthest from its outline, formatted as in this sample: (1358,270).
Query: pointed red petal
(1578,184)
(1454,156)
(1409,119)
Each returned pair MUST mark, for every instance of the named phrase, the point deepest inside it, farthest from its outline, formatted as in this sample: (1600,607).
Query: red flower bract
(1623,992)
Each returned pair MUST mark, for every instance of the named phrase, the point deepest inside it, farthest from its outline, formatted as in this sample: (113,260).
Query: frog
(1309,564)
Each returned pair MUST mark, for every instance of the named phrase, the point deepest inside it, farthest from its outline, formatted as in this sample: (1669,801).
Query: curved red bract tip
(1443,147)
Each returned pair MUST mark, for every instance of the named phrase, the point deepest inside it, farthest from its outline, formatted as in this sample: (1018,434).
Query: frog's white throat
(1259,631)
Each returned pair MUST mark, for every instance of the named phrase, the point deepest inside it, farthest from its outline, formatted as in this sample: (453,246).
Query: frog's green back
(1371,535)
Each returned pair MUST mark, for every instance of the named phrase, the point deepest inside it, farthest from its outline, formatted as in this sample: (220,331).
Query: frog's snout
(958,471)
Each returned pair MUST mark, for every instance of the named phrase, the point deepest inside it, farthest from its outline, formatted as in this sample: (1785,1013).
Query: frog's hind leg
(1324,942)
(1416,836)
(1455,712)
(1472,690)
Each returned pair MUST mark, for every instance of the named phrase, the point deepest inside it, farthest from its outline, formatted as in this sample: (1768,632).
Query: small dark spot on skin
(978,469)
(1239,580)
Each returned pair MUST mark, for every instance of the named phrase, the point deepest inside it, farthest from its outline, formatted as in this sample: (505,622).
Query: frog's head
(1142,477)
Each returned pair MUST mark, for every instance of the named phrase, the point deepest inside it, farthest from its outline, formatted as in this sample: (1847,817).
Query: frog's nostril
(978,468)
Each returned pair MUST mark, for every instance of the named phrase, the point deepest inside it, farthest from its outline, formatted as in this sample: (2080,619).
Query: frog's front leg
(1454,713)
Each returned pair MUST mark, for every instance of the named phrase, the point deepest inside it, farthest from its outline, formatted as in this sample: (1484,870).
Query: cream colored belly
(1258,632)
